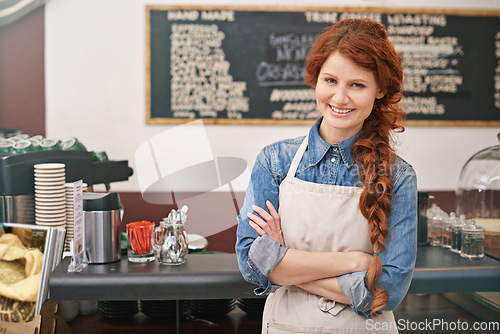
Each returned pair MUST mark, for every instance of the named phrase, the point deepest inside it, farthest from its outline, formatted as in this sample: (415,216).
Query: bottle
(456,234)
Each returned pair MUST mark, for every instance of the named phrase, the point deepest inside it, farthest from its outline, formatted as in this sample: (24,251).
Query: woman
(339,253)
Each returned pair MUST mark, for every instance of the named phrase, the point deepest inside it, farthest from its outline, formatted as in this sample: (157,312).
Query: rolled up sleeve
(265,254)
(258,255)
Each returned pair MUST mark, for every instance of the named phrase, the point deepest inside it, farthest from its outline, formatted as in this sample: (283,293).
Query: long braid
(373,153)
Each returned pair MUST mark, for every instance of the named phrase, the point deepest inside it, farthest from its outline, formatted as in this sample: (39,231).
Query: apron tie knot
(330,306)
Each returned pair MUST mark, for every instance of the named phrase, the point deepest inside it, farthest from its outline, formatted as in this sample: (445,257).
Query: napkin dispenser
(102,214)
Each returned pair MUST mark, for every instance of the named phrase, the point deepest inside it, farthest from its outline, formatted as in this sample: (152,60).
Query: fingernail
(254,207)
(249,214)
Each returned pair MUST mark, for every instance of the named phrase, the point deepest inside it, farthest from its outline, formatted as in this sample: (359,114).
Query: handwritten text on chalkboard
(249,64)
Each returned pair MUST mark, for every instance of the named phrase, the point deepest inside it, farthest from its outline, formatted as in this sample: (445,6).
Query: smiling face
(345,93)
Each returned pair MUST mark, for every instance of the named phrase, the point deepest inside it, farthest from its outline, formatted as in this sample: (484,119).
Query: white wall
(95,89)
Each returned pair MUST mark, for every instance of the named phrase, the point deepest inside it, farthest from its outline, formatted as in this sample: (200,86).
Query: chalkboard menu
(244,65)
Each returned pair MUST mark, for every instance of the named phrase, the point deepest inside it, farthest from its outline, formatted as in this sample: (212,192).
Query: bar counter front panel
(214,276)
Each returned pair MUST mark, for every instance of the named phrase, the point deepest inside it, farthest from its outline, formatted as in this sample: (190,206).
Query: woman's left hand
(267,223)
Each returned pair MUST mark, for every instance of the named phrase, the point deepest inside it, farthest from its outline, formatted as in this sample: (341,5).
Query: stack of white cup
(50,195)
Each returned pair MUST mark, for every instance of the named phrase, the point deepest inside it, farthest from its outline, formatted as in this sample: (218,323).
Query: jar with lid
(472,241)
(435,227)
(447,223)
(456,234)
(478,195)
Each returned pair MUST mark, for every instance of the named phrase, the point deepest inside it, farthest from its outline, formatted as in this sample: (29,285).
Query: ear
(380,94)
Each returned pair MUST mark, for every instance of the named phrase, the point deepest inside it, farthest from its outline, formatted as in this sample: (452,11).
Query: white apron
(319,218)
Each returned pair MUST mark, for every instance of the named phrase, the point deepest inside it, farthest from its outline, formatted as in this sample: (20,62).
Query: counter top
(214,276)
(203,276)
(438,270)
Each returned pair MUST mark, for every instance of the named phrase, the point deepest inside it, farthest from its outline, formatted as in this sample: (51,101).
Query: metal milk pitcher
(170,242)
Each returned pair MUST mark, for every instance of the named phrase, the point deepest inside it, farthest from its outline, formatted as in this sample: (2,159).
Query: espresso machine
(17,204)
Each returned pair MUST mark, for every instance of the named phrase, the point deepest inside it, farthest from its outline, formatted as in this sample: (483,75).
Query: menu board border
(263,121)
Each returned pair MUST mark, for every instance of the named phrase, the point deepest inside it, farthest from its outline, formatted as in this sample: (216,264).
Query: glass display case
(478,194)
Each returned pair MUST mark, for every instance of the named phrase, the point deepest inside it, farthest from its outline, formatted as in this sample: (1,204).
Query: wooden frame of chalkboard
(244,65)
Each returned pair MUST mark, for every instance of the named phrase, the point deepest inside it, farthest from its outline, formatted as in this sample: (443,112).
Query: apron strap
(297,158)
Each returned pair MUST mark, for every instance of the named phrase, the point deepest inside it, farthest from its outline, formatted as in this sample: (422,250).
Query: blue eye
(358,85)
(330,80)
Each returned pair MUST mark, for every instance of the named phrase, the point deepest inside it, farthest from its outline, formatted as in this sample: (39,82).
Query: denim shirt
(329,164)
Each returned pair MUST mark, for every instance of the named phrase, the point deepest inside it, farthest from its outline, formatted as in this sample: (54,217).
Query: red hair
(366,43)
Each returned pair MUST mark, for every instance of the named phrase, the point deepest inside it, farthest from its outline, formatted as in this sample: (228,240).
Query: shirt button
(334,148)
(333,160)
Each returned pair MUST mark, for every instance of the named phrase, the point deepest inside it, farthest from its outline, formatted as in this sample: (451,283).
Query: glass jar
(452,219)
(435,227)
(478,195)
(456,234)
(472,241)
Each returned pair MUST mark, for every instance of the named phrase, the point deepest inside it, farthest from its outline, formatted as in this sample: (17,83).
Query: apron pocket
(330,306)
(277,328)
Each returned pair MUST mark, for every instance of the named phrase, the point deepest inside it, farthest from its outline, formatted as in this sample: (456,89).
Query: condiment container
(447,224)
(140,241)
(472,241)
(435,227)
(171,244)
(456,234)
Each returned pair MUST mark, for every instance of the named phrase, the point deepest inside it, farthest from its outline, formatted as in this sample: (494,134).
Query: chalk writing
(201,84)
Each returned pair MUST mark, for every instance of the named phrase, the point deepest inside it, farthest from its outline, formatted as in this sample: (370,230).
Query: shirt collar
(318,147)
